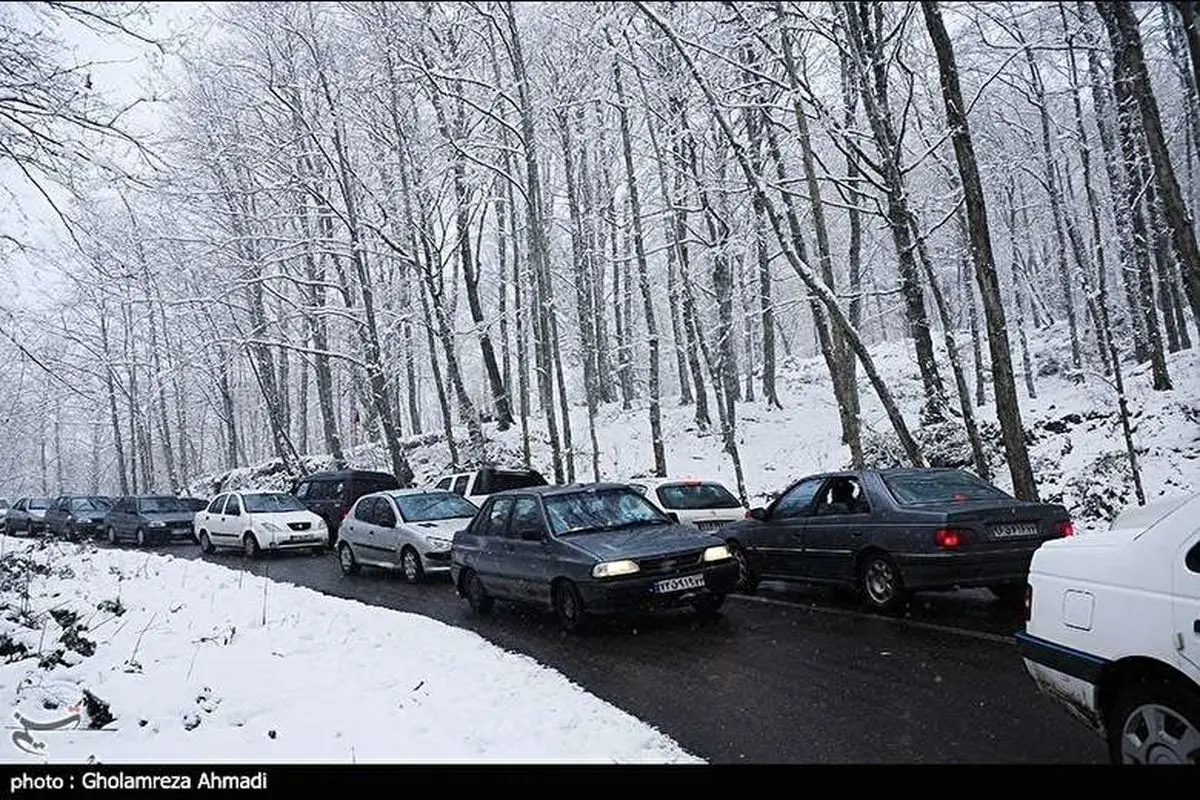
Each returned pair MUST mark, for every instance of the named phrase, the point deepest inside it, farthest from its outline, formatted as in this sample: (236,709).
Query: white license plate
(1014,531)
(679,584)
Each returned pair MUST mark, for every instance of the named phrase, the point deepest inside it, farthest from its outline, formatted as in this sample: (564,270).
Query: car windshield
(600,510)
(922,488)
(91,504)
(271,503)
(39,503)
(696,496)
(433,506)
(161,505)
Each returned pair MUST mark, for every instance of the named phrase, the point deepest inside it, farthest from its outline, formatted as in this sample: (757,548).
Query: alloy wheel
(1157,734)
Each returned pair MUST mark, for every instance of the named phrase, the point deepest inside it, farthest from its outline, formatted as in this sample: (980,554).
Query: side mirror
(531,535)
(759,514)
(671,515)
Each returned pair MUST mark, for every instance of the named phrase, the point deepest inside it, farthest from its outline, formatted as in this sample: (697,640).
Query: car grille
(1016,530)
(659,566)
(299,526)
(711,524)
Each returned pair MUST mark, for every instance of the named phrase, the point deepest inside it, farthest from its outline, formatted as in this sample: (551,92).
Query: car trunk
(994,525)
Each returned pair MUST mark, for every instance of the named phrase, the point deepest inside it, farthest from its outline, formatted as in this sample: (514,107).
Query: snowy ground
(1076,445)
(170,660)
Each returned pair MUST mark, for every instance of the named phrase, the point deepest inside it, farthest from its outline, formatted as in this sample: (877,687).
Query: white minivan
(1113,630)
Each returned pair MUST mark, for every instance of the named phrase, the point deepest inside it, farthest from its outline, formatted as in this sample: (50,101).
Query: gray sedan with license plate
(585,550)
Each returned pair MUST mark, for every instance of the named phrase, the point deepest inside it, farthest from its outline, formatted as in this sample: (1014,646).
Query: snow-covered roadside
(170,660)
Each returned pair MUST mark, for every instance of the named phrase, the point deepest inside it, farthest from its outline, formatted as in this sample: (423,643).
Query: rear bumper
(950,570)
(1069,677)
(637,593)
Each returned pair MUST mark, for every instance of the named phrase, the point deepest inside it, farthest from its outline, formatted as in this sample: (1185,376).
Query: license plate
(1014,531)
(679,584)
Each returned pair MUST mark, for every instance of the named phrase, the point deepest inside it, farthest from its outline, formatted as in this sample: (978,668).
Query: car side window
(364,510)
(444,483)
(233,508)
(302,490)
(385,515)
(460,485)
(842,496)
(526,516)
(1192,560)
(797,500)
(497,519)
(215,506)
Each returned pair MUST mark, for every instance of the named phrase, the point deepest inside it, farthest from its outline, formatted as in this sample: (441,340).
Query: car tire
(709,606)
(250,546)
(69,532)
(112,535)
(747,580)
(206,545)
(141,537)
(1011,595)
(347,561)
(410,565)
(1167,707)
(568,606)
(880,585)
(477,597)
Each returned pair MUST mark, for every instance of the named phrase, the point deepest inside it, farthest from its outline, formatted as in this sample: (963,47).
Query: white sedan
(1113,631)
(255,522)
(706,504)
(406,529)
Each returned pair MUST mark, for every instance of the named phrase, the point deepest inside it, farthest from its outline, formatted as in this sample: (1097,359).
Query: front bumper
(951,570)
(435,560)
(303,540)
(636,592)
(163,535)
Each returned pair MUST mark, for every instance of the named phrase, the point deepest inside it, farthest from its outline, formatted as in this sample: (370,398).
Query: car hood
(169,517)
(647,541)
(37,513)
(285,517)
(441,528)
(705,514)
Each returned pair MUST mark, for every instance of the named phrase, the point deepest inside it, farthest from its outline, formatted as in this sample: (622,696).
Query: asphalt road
(783,677)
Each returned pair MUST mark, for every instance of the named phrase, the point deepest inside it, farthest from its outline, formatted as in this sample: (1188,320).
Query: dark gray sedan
(887,533)
(148,519)
(584,550)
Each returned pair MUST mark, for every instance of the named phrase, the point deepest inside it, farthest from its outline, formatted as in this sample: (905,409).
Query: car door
(359,528)
(386,533)
(1186,601)
(835,531)
(210,518)
(495,556)
(778,544)
(527,553)
(232,518)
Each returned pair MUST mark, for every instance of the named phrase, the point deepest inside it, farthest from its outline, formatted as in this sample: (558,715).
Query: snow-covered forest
(415,235)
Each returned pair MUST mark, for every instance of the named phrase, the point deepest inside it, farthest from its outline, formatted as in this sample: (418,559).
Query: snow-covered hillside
(1077,448)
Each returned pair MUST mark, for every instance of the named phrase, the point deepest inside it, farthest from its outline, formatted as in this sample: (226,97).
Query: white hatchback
(405,529)
(706,504)
(255,522)
(1113,631)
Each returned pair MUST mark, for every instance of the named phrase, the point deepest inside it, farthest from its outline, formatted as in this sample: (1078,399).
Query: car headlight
(319,524)
(70,517)
(437,543)
(718,553)
(158,523)
(611,569)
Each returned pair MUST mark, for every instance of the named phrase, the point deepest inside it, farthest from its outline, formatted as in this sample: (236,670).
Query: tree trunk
(1008,408)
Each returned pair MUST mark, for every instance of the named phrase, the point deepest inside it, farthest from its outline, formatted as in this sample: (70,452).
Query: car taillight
(747,515)
(1065,528)
(948,538)
(1028,602)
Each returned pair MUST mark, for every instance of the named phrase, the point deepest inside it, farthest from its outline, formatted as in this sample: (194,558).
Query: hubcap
(566,602)
(1155,734)
(743,567)
(141,537)
(112,536)
(249,546)
(410,565)
(881,581)
(347,559)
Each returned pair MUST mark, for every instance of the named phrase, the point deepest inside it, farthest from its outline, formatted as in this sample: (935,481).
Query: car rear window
(696,496)
(39,503)
(920,488)
(491,482)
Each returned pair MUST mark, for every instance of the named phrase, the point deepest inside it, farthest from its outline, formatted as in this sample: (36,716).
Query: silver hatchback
(403,529)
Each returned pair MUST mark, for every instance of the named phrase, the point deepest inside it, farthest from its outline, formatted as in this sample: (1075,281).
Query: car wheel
(141,537)
(1155,723)
(747,580)
(410,565)
(70,533)
(206,545)
(709,605)
(880,583)
(347,561)
(1010,594)
(250,546)
(568,606)
(477,597)
(112,535)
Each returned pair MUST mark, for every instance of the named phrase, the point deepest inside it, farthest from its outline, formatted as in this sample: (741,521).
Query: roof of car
(349,473)
(407,492)
(570,488)
(669,481)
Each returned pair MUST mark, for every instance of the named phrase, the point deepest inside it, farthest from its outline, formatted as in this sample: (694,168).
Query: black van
(331,494)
